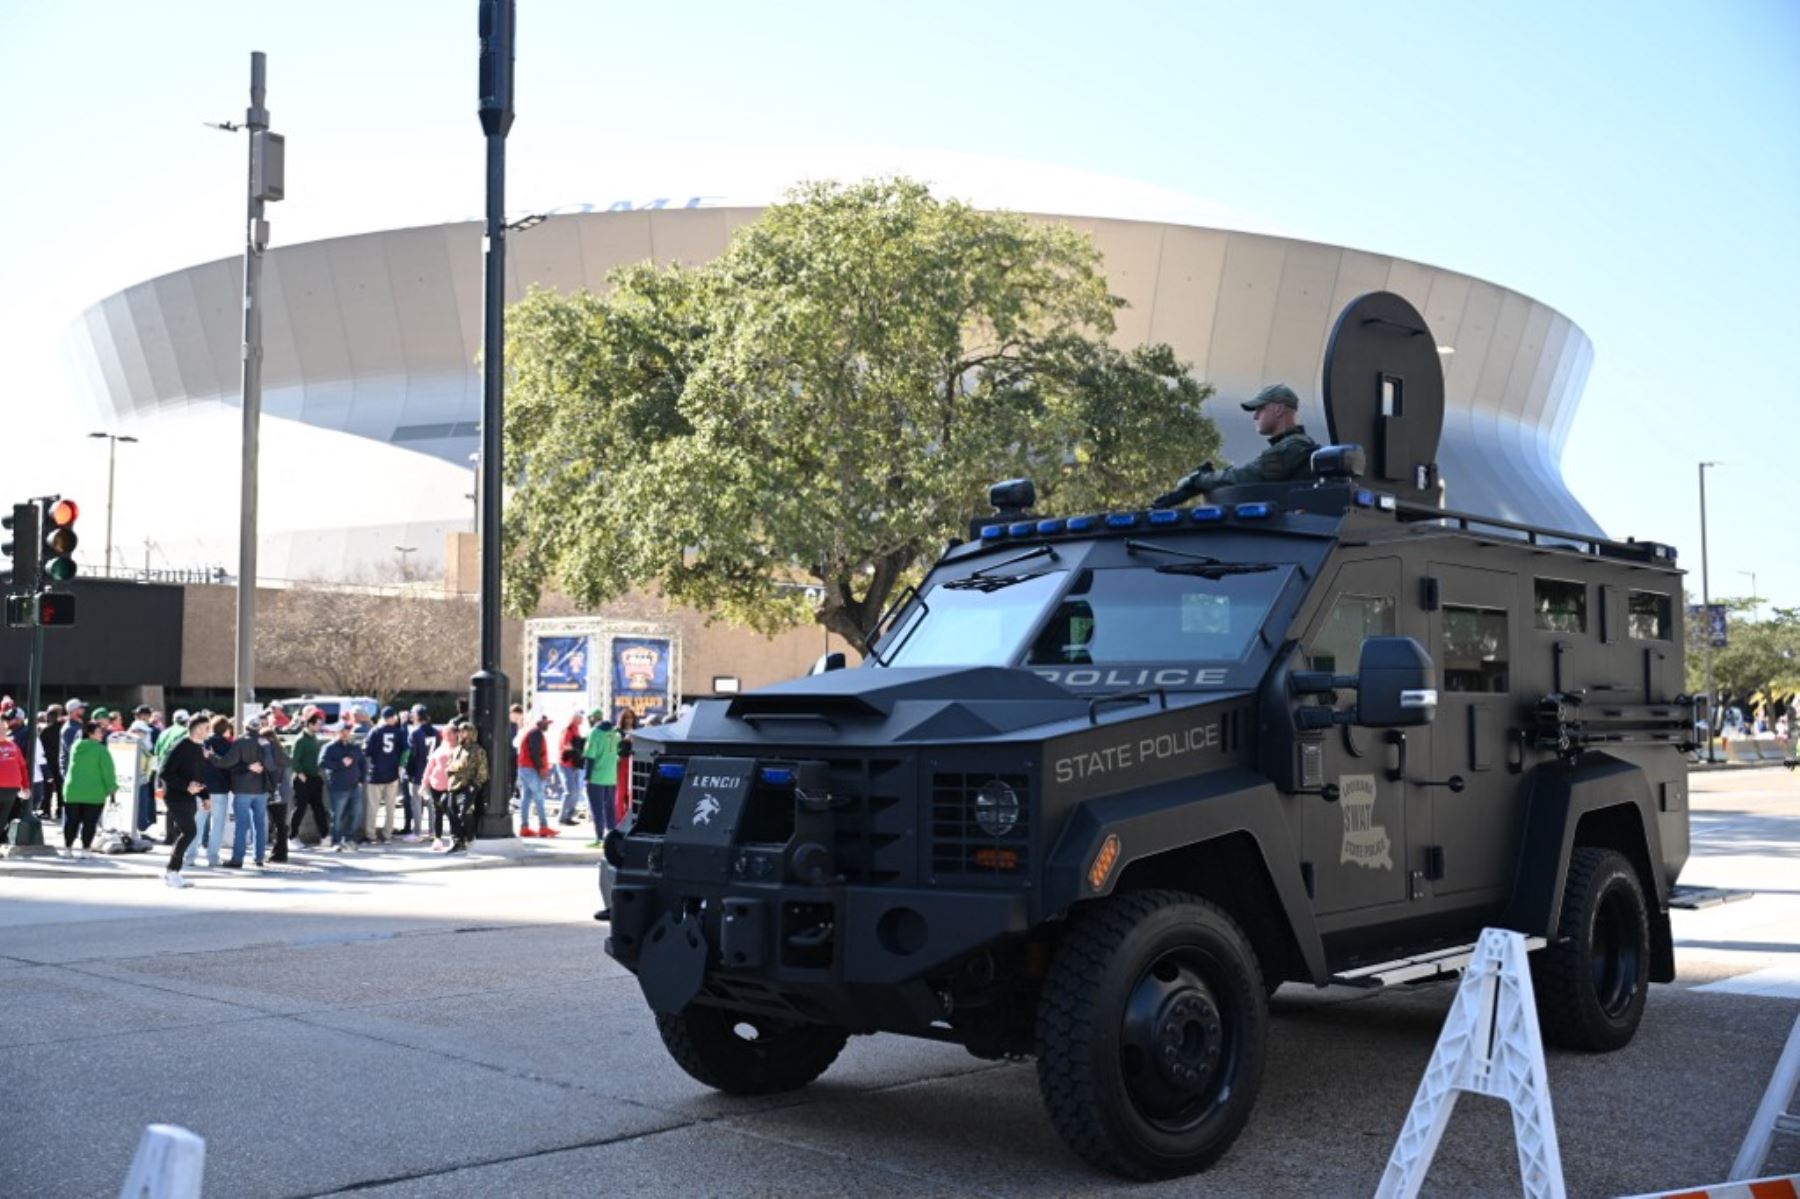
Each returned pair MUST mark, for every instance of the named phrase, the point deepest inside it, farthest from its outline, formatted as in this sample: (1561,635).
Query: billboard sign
(562,664)
(640,679)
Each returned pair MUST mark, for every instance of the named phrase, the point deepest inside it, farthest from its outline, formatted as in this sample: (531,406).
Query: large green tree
(821,407)
(1761,660)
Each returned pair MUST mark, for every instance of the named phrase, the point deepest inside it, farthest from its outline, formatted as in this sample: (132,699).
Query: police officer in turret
(1276,411)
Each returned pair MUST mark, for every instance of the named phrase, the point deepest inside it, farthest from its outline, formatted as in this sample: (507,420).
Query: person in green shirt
(601,754)
(90,783)
(309,786)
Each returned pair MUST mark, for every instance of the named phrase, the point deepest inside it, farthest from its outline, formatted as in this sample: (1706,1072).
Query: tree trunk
(852,618)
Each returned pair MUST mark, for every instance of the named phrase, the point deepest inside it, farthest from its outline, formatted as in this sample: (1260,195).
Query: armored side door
(1473,616)
(1356,845)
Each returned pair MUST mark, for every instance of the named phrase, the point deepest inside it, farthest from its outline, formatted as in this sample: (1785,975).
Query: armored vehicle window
(1136,615)
(972,626)
(1475,649)
(1338,647)
(1561,606)
(1649,615)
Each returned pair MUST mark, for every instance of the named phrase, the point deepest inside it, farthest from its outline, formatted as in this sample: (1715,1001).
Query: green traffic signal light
(60,569)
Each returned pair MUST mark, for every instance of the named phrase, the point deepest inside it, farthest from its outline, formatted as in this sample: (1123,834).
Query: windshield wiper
(1216,570)
(987,584)
(1134,544)
(1039,552)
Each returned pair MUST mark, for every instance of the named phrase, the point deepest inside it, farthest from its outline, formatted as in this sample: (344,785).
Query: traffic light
(59,540)
(55,608)
(21,547)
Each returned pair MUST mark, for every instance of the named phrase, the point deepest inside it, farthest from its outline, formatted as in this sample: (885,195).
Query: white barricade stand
(1775,1114)
(118,819)
(1489,1046)
(168,1165)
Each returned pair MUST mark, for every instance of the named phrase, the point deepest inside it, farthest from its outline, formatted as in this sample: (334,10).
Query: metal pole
(489,689)
(1712,718)
(256,238)
(112,454)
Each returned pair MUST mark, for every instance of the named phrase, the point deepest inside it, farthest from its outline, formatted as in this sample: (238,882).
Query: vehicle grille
(959,847)
(872,830)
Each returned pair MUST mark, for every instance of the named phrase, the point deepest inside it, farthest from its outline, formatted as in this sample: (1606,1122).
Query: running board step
(1693,898)
(1423,967)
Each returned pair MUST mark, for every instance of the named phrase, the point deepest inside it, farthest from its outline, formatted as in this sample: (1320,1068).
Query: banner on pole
(1711,617)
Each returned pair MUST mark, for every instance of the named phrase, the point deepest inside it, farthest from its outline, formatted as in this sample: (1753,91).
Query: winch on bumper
(730,891)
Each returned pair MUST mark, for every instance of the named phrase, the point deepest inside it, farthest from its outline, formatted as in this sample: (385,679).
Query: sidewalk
(392,858)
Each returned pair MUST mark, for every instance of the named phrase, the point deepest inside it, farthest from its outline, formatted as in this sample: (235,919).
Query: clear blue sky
(1637,166)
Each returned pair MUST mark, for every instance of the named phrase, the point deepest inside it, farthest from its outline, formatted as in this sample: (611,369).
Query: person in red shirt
(534,771)
(569,766)
(15,780)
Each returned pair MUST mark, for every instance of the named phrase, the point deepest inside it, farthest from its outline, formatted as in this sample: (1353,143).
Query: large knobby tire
(1150,1034)
(1592,981)
(744,1054)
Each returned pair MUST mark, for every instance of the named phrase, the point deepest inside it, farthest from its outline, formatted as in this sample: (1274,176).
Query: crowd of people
(289,778)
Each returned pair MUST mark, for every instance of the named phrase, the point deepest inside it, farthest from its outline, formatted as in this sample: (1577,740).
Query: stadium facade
(375,338)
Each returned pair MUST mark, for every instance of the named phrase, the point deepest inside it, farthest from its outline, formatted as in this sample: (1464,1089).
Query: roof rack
(1630,550)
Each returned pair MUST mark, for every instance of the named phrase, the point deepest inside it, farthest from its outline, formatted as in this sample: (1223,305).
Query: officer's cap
(1274,393)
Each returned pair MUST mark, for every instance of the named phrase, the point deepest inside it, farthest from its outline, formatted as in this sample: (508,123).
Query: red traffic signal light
(55,608)
(60,540)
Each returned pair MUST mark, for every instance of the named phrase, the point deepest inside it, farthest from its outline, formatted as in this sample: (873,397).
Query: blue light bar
(1120,520)
(1365,498)
(992,532)
(1023,528)
(1050,526)
(670,770)
(1206,513)
(1080,524)
(1163,516)
(1256,511)
(777,776)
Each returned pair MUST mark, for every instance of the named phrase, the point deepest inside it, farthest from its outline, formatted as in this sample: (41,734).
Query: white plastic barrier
(169,1164)
(1489,1046)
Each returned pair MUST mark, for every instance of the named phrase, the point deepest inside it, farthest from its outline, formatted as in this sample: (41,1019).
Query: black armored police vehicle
(1104,781)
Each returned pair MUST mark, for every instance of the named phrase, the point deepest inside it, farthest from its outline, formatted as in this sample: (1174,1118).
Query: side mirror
(1397,684)
(831,661)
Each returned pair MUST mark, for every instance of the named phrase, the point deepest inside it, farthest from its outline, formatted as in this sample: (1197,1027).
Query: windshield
(1112,615)
(1137,615)
(974,625)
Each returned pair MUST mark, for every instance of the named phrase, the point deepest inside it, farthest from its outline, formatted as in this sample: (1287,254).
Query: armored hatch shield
(1384,390)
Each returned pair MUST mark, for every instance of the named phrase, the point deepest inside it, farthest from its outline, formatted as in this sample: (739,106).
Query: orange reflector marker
(997,859)
(1101,870)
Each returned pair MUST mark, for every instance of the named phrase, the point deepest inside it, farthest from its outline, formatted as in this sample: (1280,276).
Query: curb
(1714,767)
(59,867)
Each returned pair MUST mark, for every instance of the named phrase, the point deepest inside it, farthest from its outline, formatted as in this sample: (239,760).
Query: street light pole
(265,183)
(489,690)
(112,453)
(1755,596)
(1712,719)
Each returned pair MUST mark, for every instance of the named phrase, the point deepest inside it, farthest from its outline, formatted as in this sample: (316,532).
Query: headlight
(996,808)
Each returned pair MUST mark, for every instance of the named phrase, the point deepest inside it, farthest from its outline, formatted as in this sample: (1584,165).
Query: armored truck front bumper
(812,889)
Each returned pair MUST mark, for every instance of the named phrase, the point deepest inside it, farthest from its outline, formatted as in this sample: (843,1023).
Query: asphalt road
(420,1033)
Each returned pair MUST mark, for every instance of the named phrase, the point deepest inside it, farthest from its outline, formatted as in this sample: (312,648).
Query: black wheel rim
(1178,1044)
(1616,953)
